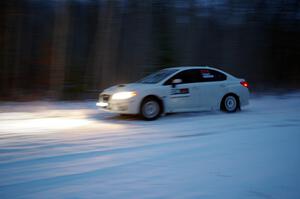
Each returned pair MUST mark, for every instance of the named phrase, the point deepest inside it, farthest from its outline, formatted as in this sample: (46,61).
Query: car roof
(191,67)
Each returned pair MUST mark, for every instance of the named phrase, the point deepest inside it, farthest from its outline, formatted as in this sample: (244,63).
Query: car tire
(150,108)
(230,103)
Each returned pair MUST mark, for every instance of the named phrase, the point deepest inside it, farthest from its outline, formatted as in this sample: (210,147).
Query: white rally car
(177,89)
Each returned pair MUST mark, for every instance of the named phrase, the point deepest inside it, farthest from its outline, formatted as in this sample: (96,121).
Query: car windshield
(157,77)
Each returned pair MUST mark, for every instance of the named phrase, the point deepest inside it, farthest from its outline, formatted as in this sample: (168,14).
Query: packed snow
(73,150)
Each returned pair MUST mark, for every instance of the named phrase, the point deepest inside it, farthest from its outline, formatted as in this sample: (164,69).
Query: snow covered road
(72,150)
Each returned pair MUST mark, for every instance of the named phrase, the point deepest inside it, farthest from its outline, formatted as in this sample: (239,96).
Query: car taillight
(245,84)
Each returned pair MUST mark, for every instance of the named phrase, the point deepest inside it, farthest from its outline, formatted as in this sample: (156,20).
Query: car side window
(187,76)
(208,75)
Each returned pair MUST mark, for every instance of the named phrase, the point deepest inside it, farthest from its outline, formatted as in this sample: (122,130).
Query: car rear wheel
(150,109)
(230,104)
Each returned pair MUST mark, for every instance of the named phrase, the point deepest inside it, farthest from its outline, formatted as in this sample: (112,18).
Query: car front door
(183,96)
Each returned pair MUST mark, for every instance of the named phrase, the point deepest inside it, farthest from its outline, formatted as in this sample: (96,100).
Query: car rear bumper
(244,98)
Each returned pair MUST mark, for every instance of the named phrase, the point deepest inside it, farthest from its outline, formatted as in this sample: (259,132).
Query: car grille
(104,98)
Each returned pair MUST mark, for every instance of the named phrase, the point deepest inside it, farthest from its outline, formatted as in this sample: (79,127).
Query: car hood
(128,87)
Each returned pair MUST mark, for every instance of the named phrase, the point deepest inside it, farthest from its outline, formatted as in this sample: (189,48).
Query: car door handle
(222,85)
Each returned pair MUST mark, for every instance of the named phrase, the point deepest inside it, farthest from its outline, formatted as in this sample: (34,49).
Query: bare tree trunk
(104,55)
(59,49)
(136,46)
(10,66)
(4,43)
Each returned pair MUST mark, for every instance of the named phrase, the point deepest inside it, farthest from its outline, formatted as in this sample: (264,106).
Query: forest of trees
(71,49)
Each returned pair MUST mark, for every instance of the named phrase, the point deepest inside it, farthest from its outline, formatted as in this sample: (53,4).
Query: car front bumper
(129,106)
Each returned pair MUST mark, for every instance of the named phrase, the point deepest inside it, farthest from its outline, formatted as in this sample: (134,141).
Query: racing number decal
(206,74)
(178,91)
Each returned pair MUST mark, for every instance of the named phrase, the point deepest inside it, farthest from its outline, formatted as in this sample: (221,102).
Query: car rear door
(211,89)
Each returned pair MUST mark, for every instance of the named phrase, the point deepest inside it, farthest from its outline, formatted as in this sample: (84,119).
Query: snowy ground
(72,150)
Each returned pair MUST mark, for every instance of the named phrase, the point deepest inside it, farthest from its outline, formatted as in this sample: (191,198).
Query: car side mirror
(176,81)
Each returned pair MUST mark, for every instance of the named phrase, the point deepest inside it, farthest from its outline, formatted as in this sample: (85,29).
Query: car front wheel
(150,109)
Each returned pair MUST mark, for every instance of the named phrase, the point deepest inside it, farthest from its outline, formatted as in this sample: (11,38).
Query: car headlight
(123,95)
